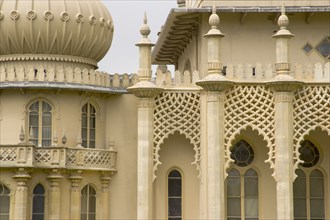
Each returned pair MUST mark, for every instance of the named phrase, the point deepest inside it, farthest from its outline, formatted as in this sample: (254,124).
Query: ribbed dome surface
(66,30)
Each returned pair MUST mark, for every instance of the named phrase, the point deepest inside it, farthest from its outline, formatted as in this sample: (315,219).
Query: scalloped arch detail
(314,114)
(253,106)
(177,111)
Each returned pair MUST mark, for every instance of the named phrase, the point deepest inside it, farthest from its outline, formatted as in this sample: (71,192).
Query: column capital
(105,180)
(21,177)
(284,83)
(215,82)
(75,178)
(145,89)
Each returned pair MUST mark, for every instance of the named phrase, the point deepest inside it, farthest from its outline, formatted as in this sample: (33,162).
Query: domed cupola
(75,33)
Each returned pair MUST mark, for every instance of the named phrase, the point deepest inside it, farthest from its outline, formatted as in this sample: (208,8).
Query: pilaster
(215,84)
(283,86)
(20,206)
(104,196)
(54,194)
(146,91)
(75,200)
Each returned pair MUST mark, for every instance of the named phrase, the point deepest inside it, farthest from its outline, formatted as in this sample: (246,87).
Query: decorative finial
(145,19)
(214,10)
(145,30)
(22,135)
(214,19)
(283,9)
(283,20)
(64,139)
(55,139)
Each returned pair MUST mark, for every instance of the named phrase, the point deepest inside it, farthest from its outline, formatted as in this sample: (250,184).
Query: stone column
(54,195)
(283,86)
(21,196)
(215,84)
(145,90)
(75,194)
(104,196)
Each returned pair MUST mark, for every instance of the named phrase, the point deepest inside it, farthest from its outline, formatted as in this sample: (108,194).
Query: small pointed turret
(145,88)
(214,81)
(282,44)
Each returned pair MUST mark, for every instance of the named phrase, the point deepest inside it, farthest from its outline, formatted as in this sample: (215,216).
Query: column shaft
(54,196)
(215,151)
(284,154)
(145,159)
(105,179)
(21,195)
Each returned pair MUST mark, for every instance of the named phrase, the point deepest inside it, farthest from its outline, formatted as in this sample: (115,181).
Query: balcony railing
(57,157)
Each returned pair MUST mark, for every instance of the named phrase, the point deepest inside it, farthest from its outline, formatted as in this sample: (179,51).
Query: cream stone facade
(240,129)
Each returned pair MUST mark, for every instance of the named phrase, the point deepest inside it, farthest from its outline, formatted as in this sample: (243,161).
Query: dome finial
(145,30)
(283,20)
(214,19)
(283,9)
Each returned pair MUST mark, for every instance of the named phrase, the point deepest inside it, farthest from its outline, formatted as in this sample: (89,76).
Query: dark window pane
(242,153)
(174,187)
(174,173)
(233,207)
(317,208)
(174,206)
(299,207)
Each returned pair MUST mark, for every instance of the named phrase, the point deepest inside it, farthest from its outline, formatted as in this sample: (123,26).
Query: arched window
(88,125)
(88,203)
(4,202)
(242,184)
(308,187)
(174,195)
(38,205)
(40,123)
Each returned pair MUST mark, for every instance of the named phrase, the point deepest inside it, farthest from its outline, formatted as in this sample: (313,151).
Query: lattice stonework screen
(177,111)
(311,109)
(250,106)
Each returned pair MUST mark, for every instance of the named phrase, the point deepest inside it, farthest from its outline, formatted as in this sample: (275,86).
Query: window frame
(88,196)
(167,191)
(242,171)
(4,187)
(38,138)
(88,128)
(44,201)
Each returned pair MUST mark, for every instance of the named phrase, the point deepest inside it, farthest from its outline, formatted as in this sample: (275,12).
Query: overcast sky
(128,17)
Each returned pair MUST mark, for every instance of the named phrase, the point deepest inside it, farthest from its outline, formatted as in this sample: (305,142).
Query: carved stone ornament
(250,106)
(31,15)
(65,16)
(48,15)
(102,22)
(311,110)
(92,20)
(80,18)
(177,112)
(14,15)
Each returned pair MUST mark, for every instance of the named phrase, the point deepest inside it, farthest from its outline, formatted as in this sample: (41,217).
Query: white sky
(127,16)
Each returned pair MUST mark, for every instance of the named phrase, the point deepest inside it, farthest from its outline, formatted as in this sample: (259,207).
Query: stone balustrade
(57,157)
(67,75)
(310,73)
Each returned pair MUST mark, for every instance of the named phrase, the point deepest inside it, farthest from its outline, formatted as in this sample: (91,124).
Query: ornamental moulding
(177,111)
(47,57)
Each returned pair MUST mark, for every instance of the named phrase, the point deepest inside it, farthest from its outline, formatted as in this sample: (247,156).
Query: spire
(145,29)
(283,23)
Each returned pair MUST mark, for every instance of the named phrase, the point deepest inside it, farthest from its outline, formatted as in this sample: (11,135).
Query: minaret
(283,86)
(215,84)
(146,91)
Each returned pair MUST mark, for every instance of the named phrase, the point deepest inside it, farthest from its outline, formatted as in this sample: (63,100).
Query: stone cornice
(284,83)
(145,89)
(47,57)
(215,82)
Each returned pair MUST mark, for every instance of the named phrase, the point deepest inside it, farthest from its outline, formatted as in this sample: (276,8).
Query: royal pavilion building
(239,130)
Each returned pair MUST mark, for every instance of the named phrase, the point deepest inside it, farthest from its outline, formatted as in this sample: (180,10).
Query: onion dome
(75,31)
